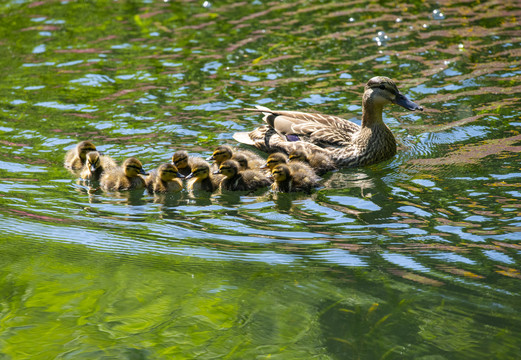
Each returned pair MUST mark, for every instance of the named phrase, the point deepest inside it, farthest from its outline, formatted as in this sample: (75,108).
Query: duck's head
(83,148)
(200,170)
(280,173)
(276,159)
(381,90)
(229,168)
(133,167)
(180,159)
(222,153)
(93,160)
(298,155)
(242,160)
(167,172)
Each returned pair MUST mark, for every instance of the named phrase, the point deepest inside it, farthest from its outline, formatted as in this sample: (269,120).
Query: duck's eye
(382,86)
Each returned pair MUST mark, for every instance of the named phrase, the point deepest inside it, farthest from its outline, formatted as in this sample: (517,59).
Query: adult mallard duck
(320,163)
(95,165)
(347,143)
(182,161)
(126,177)
(165,179)
(225,152)
(201,178)
(75,158)
(241,180)
(289,181)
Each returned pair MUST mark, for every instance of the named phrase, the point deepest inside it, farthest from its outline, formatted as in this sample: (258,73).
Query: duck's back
(255,179)
(235,183)
(298,167)
(321,163)
(303,182)
(246,180)
(319,129)
(72,161)
(156,185)
(254,160)
(116,180)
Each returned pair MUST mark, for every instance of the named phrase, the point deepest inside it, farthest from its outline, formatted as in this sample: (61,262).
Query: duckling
(75,158)
(126,177)
(241,180)
(320,163)
(95,165)
(225,152)
(288,181)
(182,162)
(165,179)
(345,142)
(201,178)
(242,160)
(278,158)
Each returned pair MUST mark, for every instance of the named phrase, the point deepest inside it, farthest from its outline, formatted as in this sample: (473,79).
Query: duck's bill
(217,172)
(93,168)
(189,176)
(210,158)
(179,175)
(143,172)
(401,100)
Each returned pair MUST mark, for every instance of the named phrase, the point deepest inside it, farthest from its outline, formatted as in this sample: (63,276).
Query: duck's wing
(323,130)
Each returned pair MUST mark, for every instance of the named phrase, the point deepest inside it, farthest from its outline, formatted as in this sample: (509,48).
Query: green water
(418,257)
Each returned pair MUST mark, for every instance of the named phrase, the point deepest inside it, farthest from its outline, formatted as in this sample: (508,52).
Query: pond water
(418,257)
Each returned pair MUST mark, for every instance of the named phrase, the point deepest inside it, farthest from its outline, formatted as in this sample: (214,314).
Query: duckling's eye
(382,86)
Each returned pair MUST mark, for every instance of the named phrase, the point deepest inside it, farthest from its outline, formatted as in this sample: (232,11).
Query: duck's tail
(244,138)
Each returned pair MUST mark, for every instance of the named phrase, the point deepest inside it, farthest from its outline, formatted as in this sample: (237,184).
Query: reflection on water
(414,257)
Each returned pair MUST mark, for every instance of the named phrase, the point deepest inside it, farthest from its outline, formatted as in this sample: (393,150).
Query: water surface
(417,257)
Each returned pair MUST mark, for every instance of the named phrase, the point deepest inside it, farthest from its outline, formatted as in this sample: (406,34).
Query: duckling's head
(229,168)
(381,90)
(242,160)
(180,159)
(276,159)
(200,170)
(93,160)
(280,172)
(222,153)
(298,155)
(83,148)
(133,167)
(167,172)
